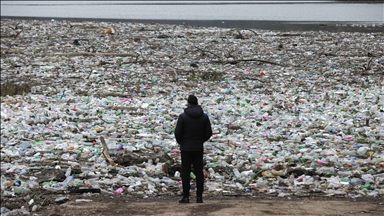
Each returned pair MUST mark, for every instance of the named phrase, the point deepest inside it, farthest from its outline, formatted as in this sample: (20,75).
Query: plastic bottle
(362,150)
(356,182)
(66,182)
(177,174)
(261,183)
(236,173)
(213,164)
(118,191)
(32,182)
(20,190)
(192,175)
(322,162)
(68,172)
(366,186)
(300,178)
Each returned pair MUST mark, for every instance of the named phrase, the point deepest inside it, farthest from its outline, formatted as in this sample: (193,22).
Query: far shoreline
(250,24)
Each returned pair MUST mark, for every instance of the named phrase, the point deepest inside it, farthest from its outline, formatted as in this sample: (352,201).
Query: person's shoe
(184,200)
(199,199)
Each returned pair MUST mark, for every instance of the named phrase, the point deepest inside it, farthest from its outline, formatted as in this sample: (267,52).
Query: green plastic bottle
(192,175)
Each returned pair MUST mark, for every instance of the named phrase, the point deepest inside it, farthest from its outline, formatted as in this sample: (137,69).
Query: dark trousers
(194,158)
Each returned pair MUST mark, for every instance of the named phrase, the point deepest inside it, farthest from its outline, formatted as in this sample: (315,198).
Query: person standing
(193,128)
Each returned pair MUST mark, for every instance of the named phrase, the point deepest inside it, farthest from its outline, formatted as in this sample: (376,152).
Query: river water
(266,14)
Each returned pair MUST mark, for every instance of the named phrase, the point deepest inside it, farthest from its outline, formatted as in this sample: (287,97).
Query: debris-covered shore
(90,107)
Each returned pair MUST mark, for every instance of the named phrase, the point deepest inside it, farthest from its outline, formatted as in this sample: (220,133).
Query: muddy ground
(255,204)
(121,205)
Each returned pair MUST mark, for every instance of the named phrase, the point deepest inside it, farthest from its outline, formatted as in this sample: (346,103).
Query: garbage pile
(91,107)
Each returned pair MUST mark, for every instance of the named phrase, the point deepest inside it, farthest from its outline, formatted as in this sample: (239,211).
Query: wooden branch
(12,50)
(106,153)
(239,35)
(139,62)
(252,31)
(369,65)
(245,60)
(207,52)
(17,34)
(288,35)
(96,54)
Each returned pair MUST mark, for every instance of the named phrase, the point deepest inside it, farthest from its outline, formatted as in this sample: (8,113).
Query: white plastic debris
(289,110)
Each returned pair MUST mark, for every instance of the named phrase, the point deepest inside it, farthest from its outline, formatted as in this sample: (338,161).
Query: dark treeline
(360,0)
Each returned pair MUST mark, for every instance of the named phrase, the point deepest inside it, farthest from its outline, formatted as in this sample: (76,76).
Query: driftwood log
(106,153)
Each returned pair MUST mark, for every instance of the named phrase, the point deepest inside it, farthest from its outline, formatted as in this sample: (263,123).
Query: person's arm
(208,130)
(179,130)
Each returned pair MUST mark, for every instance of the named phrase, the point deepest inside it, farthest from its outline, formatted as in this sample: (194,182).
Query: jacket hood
(194,111)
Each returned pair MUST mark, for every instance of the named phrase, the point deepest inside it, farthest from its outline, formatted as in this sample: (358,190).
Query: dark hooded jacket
(193,128)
